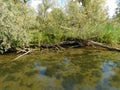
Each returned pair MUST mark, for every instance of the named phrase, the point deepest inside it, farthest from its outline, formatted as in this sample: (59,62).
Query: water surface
(71,69)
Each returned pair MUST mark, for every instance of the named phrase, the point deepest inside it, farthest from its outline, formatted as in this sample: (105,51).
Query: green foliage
(117,12)
(86,21)
(44,6)
(36,36)
(57,17)
(108,33)
(13,23)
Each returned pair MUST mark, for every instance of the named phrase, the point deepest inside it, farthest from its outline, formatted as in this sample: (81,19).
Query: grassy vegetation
(108,33)
(105,33)
(20,26)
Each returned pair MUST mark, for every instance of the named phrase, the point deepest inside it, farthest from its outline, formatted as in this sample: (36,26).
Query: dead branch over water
(70,42)
(76,43)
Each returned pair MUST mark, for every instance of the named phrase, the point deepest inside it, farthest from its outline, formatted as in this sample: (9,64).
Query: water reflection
(78,69)
(41,69)
(108,66)
(104,83)
(66,61)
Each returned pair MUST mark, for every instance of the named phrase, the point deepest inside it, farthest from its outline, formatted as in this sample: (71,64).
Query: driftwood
(93,43)
(24,54)
(24,50)
(15,59)
(21,56)
(69,42)
(76,43)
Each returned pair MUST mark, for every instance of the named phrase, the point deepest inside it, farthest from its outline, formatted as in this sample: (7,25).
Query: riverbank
(68,43)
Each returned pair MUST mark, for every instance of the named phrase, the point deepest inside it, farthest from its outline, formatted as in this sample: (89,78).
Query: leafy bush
(13,25)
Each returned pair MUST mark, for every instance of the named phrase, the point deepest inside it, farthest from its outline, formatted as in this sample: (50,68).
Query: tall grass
(108,33)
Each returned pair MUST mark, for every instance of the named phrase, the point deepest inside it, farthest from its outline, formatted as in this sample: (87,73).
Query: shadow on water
(75,69)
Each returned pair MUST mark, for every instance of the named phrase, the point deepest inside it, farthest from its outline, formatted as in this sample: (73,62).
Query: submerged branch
(24,54)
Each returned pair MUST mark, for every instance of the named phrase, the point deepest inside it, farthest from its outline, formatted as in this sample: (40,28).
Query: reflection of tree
(71,80)
(81,70)
(115,80)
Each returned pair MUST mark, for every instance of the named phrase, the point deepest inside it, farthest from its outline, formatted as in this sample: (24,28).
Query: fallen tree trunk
(76,43)
(65,44)
(93,43)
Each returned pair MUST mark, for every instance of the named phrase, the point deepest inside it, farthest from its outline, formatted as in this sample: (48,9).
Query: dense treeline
(21,26)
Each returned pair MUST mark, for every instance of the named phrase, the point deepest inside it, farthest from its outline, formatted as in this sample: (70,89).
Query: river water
(71,69)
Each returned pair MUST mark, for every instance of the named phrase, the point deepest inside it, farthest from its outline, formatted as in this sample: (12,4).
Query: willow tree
(95,10)
(57,17)
(117,12)
(13,24)
(42,16)
(84,2)
(18,1)
(84,17)
(44,6)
